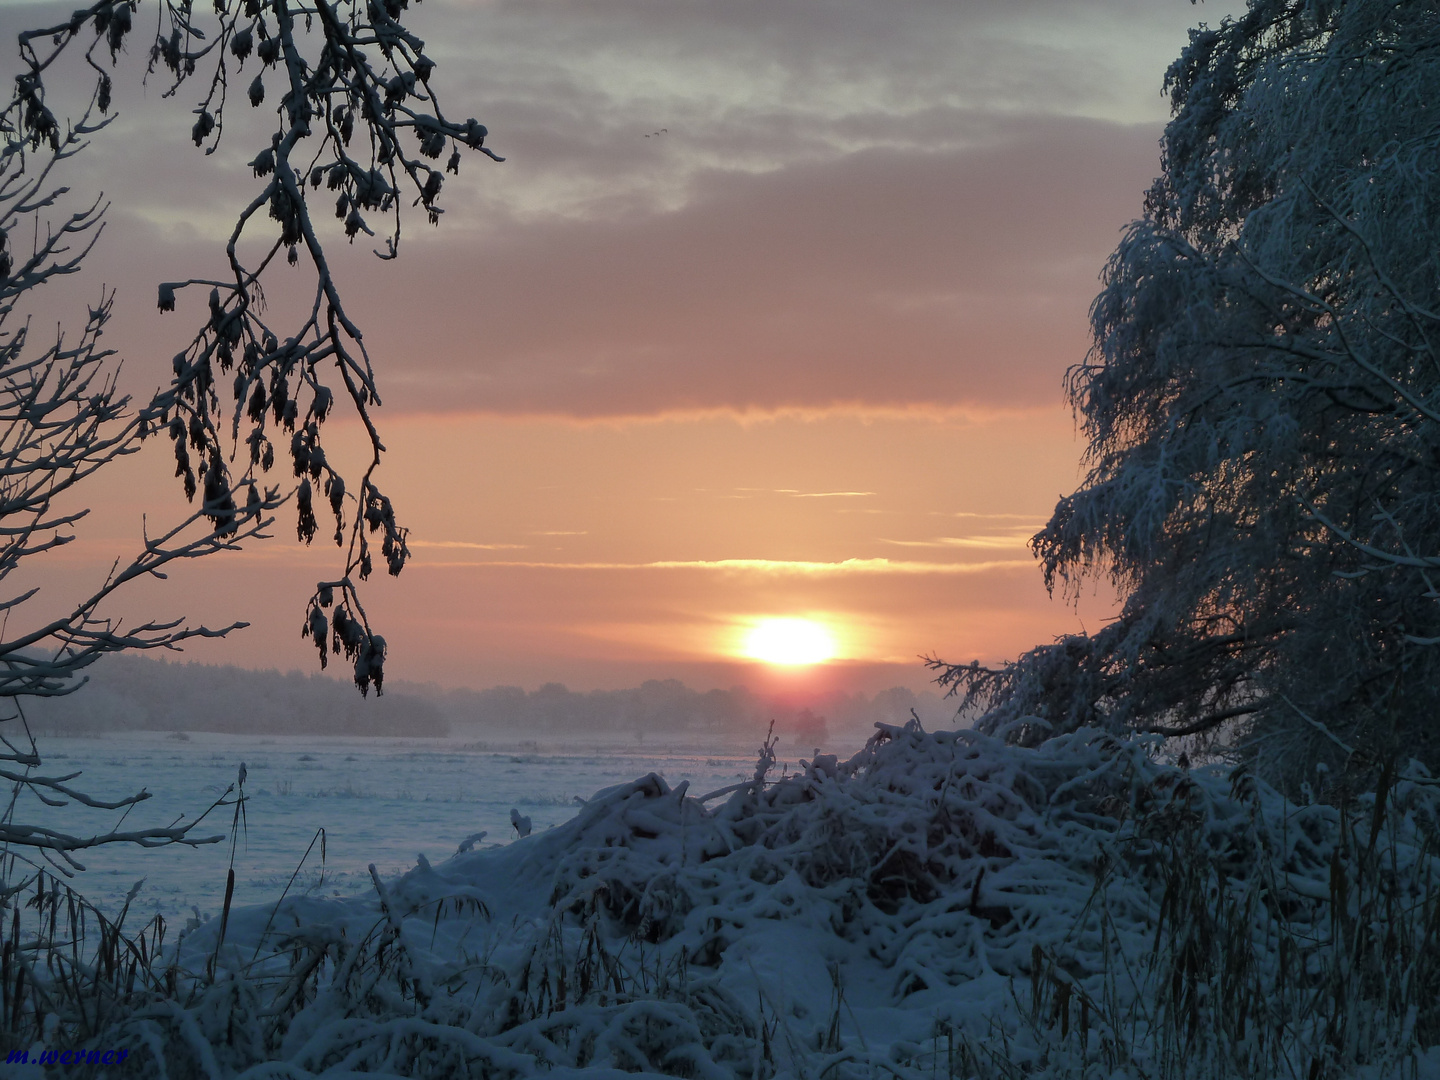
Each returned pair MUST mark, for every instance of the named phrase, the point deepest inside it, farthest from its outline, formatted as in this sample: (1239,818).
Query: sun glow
(790,642)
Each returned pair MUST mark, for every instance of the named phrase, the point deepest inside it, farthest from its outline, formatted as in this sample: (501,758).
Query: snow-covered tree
(1262,405)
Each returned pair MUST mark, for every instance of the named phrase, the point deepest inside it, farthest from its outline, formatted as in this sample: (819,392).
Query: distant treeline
(666,708)
(132,693)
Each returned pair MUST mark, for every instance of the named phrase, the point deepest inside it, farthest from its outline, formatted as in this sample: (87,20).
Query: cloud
(752,85)
(965,542)
(995,517)
(465,544)
(763,566)
(851,210)
(881,280)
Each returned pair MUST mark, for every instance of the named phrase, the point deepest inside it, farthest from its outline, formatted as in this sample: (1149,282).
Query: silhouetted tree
(357,125)
(1261,405)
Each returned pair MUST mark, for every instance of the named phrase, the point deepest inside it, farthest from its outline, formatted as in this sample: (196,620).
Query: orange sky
(800,355)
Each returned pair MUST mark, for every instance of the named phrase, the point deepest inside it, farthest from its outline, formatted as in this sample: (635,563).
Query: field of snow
(941,904)
(386,801)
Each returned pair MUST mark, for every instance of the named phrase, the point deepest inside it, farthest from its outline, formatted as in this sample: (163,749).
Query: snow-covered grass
(942,904)
(379,800)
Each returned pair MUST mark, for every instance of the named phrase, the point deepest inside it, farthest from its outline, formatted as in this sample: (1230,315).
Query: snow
(940,903)
(380,800)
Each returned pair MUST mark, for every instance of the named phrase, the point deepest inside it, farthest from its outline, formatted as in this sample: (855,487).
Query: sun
(789,642)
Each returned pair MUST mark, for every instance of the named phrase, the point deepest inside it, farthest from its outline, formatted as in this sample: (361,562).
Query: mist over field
(133,693)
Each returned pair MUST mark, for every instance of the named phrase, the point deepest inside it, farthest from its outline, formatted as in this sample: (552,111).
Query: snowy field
(941,904)
(385,801)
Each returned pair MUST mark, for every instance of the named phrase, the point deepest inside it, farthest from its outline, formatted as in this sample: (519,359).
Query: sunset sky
(765,315)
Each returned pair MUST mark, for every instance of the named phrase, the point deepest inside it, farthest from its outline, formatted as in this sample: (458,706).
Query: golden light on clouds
(789,642)
(594,558)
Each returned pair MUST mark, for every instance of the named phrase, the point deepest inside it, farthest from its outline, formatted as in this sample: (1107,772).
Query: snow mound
(941,902)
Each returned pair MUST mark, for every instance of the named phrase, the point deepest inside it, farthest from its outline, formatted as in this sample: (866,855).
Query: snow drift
(941,903)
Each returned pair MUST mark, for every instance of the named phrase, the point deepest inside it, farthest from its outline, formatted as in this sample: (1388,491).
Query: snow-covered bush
(940,903)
